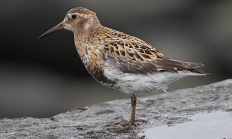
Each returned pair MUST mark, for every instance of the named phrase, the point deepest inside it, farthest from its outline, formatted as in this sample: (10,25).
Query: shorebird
(121,61)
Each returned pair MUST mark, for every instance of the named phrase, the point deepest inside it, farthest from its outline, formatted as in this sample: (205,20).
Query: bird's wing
(119,44)
(132,55)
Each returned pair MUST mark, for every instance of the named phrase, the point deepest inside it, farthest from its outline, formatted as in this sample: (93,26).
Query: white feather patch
(130,83)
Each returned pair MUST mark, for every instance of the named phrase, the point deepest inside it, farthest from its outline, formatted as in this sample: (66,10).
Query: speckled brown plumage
(121,61)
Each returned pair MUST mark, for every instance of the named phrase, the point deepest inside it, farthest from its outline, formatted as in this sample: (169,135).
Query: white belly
(130,83)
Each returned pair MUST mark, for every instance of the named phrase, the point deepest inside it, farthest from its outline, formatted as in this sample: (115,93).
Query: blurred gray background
(41,78)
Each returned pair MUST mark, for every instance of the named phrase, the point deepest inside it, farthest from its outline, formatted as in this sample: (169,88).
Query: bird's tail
(190,69)
(183,68)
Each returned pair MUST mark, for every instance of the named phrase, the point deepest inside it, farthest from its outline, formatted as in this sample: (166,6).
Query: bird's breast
(92,58)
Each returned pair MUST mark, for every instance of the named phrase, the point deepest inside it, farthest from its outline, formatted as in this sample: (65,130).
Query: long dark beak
(55,28)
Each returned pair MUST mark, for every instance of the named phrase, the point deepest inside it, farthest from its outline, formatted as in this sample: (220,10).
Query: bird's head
(76,20)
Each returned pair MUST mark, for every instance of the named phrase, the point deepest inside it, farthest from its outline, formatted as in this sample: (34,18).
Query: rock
(100,120)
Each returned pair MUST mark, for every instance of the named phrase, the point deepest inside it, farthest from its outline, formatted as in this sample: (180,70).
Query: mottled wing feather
(128,66)
(119,44)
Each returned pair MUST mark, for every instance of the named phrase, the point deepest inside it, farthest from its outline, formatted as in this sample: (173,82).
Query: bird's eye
(74,16)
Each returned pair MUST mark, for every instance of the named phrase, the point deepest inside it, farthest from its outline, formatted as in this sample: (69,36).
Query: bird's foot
(125,125)
(128,125)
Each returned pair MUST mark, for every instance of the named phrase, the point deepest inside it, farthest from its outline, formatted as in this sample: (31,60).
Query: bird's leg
(127,125)
(133,108)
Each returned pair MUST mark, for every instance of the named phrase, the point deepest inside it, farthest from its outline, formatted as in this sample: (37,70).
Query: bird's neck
(89,52)
(86,29)
(84,41)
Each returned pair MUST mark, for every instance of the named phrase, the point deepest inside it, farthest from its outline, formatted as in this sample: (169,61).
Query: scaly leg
(133,108)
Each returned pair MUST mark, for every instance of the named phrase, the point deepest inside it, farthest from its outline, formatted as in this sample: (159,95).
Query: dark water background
(41,78)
